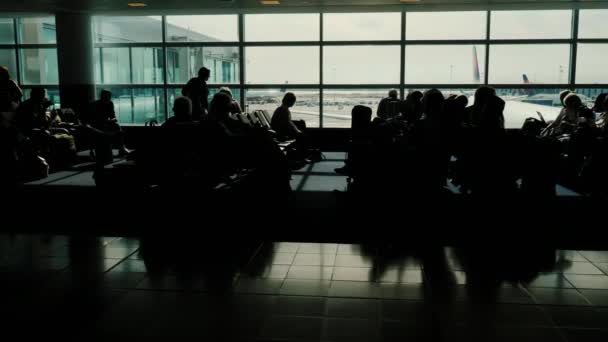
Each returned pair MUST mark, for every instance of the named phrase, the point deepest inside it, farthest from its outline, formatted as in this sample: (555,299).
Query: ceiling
(233,6)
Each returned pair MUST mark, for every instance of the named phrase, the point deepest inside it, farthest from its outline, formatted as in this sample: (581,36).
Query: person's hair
(572,100)
(220,106)
(226,91)
(105,93)
(462,101)
(432,101)
(4,74)
(289,98)
(562,96)
(493,116)
(37,92)
(393,93)
(600,100)
(416,95)
(204,72)
(182,107)
(483,94)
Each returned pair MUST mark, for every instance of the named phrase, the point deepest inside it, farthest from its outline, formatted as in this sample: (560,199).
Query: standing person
(197,91)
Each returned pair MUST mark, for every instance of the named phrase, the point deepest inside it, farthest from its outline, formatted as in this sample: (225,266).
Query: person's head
(227,91)
(432,102)
(182,108)
(414,97)
(572,101)
(493,116)
(289,99)
(483,94)
(461,101)
(38,94)
(105,95)
(598,106)
(562,96)
(204,73)
(219,108)
(393,93)
(4,74)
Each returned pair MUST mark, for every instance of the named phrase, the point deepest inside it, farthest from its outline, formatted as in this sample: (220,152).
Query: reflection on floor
(171,288)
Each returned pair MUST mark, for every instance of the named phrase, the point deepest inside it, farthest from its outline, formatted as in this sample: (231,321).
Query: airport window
(553,24)
(306,107)
(114,66)
(7,31)
(592,24)
(522,103)
(353,64)
(184,62)
(127,29)
(445,25)
(202,28)
(173,93)
(36,30)
(7,59)
(361,26)
(444,64)
(591,64)
(338,104)
(282,65)
(147,65)
(52,95)
(529,64)
(282,27)
(39,66)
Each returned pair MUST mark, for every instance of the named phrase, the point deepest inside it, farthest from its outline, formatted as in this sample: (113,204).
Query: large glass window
(529,64)
(7,59)
(592,23)
(338,104)
(202,28)
(7,32)
(115,66)
(531,24)
(444,64)
(591,65)
(39,66)
(445,25)
(361,26)
(282,65)
(138,105)
(147,65)
(37,30)
(281,27)
(361,64)
(306,107)
(523,103)
(127,29)
(183,63)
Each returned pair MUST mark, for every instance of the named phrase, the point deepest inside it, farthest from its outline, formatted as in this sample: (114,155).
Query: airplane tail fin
(476,73)
(526,79)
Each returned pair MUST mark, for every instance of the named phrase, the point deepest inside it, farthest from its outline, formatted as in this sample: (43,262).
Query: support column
(75,59)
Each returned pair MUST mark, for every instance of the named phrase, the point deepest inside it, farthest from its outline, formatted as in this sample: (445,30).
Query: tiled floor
(174,289)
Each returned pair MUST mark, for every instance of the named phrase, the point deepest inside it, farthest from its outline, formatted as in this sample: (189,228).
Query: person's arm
(112,112)
(17,92)
(292,126)
(381,111)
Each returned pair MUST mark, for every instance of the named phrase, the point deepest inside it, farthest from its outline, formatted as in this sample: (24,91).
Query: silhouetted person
(431,131)
(573,115)
(281,121)
(10,93)
(475,111)
(102,118)
(197,91)
(32,113)
(412,106)
(182,112)
(235,107)
(389,106)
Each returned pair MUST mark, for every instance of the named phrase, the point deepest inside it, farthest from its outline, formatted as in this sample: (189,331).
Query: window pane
(338,104)
(37,30)
(592,23)
(445,64)
(7,59)
(138,106)
(39,66)
(531,24)
(174,93)
(521,103)
(282,65)
(52,95)
(127,29)
(445,25)
(361,64)
(281,27)
(306,107)
(361,26)
(202,28)
(147,65)
(184,62)
(7,32)
(539,63)
(116,67)
(588,95)
(591,63)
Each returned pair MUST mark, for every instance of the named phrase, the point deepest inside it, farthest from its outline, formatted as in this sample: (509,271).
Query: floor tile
(344,260)
(596,297)
(551,280)
(292,328)
(283,258)
(353,274)
(595,256)
(298,287)
(401,291)
(258,286)
(577,267)
(355,289)
(314,259)
(310,272)
(318,248)
(401,276)
(300,306)
(599,282)
(340,329)
(548,296)
(353,308)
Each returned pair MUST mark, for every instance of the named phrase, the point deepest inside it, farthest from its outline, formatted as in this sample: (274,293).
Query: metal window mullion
(574,48)
(321,66)
(131,82)
(486,76)
(241,47)
(402,65)
(17,52)
(165,66)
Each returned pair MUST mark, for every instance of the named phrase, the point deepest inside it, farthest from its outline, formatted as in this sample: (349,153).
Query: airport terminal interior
(304,170)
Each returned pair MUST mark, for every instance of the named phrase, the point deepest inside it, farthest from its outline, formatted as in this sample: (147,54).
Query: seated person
(182,110)
(10,93)
(235,107)
(411,108)
(102,120)
(572,116)
(32,113)
(281,121)
(386,109)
